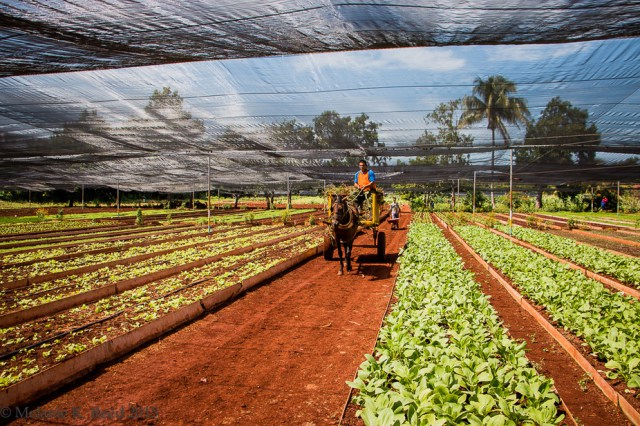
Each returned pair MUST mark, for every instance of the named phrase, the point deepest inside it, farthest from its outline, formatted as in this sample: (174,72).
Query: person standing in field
(394,209)
(603,202)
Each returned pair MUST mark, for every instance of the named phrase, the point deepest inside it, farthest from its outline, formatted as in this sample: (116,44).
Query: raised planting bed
(68,251)
(34,272)
(16,230)
(626,269)
(443,356)
(45,354)
(34,241)
(608,322)
(45,298)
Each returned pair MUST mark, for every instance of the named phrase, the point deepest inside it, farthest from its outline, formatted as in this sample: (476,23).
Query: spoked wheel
(328,248)
(381,245)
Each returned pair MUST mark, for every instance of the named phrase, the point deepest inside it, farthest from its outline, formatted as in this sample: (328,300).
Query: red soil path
(280,354)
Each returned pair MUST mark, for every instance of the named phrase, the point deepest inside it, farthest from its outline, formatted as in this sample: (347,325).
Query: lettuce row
(626,269)
(609,322)
(443,356)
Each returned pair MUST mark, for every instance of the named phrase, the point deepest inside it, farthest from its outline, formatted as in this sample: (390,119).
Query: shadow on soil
(370,266)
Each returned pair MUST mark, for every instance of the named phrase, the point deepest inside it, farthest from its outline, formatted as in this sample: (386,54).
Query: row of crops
(150,275)
(442,356)
(623,268)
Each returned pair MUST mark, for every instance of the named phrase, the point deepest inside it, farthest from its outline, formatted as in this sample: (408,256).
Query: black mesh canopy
(51,36)
(158,95)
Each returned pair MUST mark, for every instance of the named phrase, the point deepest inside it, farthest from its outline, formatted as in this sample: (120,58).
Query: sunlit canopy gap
(307,118)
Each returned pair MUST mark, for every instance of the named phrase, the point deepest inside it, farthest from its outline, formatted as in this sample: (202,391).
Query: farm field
(623,219)
(395,384)
(437,339)
(625,242)
(65,296)
(289,345)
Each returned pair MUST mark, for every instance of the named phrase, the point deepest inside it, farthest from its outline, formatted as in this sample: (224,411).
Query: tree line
(492,101)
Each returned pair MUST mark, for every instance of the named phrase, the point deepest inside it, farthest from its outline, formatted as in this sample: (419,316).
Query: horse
(343,227)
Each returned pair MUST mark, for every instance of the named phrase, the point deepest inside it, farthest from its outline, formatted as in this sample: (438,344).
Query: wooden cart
(373,222)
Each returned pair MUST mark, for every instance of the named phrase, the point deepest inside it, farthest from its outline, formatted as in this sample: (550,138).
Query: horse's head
(339,209)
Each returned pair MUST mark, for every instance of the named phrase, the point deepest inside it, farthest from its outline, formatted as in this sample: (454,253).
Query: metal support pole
(209,195)
(118,198)
(288,192)
(193,197)
(83,195)
(458,193)
(324,194)
(453,198)
(474,194)
(618,200)
(592,200)
(510,190)
(29,198)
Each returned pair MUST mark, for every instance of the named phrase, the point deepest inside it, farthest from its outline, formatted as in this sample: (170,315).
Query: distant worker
(394,209)
(365,181)
(603,203)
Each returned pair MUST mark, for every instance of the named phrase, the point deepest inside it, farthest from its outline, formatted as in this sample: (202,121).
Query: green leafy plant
(443,356)
(608,322)
(533,221)
(624,268)
(139,219)
(285,217)
(584,381)
(41,214)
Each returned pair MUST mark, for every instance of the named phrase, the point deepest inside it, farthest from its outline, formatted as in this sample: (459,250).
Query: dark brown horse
(343,228)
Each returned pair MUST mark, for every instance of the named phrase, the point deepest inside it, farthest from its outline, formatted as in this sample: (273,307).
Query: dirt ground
(280,354)
(600,242)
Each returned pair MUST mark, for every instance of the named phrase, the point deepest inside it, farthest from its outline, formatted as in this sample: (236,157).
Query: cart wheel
(327,248)
(381,245)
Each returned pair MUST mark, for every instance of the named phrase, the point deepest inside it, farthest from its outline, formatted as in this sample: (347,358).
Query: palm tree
(491,100)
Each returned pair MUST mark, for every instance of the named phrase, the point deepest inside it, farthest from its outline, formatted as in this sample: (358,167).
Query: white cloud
(412,59)
(537,52)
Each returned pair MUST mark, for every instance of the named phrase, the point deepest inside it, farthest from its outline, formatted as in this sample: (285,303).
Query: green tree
(492,101)
(292,135)
(333,131)
(86,135)
(446,119)
(559,124)
(167,121)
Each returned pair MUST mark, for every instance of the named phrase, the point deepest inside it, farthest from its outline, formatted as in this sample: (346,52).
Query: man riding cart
(365,181)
